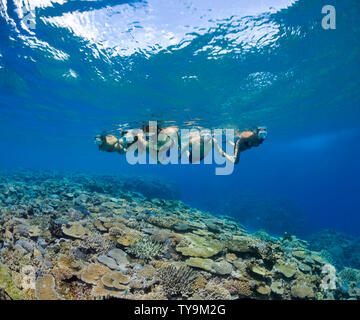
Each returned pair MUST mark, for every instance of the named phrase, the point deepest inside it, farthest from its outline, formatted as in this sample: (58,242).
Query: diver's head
(261,132)
(206,136)
(106,142)
(99,140)
(151,129)
(128,138)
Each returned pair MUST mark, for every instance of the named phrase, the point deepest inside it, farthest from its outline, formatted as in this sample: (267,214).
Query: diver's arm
(163,150)
(185,149)
(236,157)
(143,145)
(222,152)
(167,146)
(241,145)
(119,149)
(169,135)
(237,151)
(149,147)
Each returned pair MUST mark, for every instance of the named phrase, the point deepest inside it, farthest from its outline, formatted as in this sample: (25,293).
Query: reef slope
(76,236)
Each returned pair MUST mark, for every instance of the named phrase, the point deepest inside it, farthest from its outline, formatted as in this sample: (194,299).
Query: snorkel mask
(206,136)
(261,132)
(128,138)
(98,140)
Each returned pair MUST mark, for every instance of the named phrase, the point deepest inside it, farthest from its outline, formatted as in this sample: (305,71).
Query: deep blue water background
(234,65)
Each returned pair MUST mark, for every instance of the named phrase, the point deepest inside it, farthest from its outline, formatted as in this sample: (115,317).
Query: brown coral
(93,273)
(75,230)
(45,288)
(240,287)
(115,280)
(214,291)
(302,291)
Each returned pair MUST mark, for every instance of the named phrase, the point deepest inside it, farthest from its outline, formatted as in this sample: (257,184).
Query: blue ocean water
(73,69)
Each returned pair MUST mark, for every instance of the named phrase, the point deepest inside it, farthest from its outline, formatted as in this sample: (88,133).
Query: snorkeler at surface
(110,143)
(247,140)
(166,139)
(156,143)
(200,144)
(197,148)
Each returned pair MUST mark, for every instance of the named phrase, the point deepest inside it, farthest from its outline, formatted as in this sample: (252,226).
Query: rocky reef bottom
(76,236)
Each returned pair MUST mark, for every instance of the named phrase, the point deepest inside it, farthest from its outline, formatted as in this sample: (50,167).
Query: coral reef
(257,211)
(7,285)
(94,237)
(336,248)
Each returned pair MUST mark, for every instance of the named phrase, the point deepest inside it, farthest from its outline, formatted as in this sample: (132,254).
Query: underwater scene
(179,150)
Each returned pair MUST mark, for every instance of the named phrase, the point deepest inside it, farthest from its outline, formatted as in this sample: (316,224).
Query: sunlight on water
(220,63)
(151,26)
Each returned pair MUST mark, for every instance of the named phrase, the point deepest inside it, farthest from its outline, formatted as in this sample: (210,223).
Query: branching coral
(177,281)
(145,248)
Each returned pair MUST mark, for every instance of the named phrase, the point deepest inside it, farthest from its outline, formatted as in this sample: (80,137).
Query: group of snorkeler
(158,141)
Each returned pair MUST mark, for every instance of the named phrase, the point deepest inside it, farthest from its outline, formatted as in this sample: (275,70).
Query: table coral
(45,288)
(263,290)
(277,287)
(302,291)
(200,263)
(115,280)
(288,270)
(75,230)
(196,246)
(120,257)
(93,272)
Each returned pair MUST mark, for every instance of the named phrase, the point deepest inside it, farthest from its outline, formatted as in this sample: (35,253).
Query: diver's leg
(189,154)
